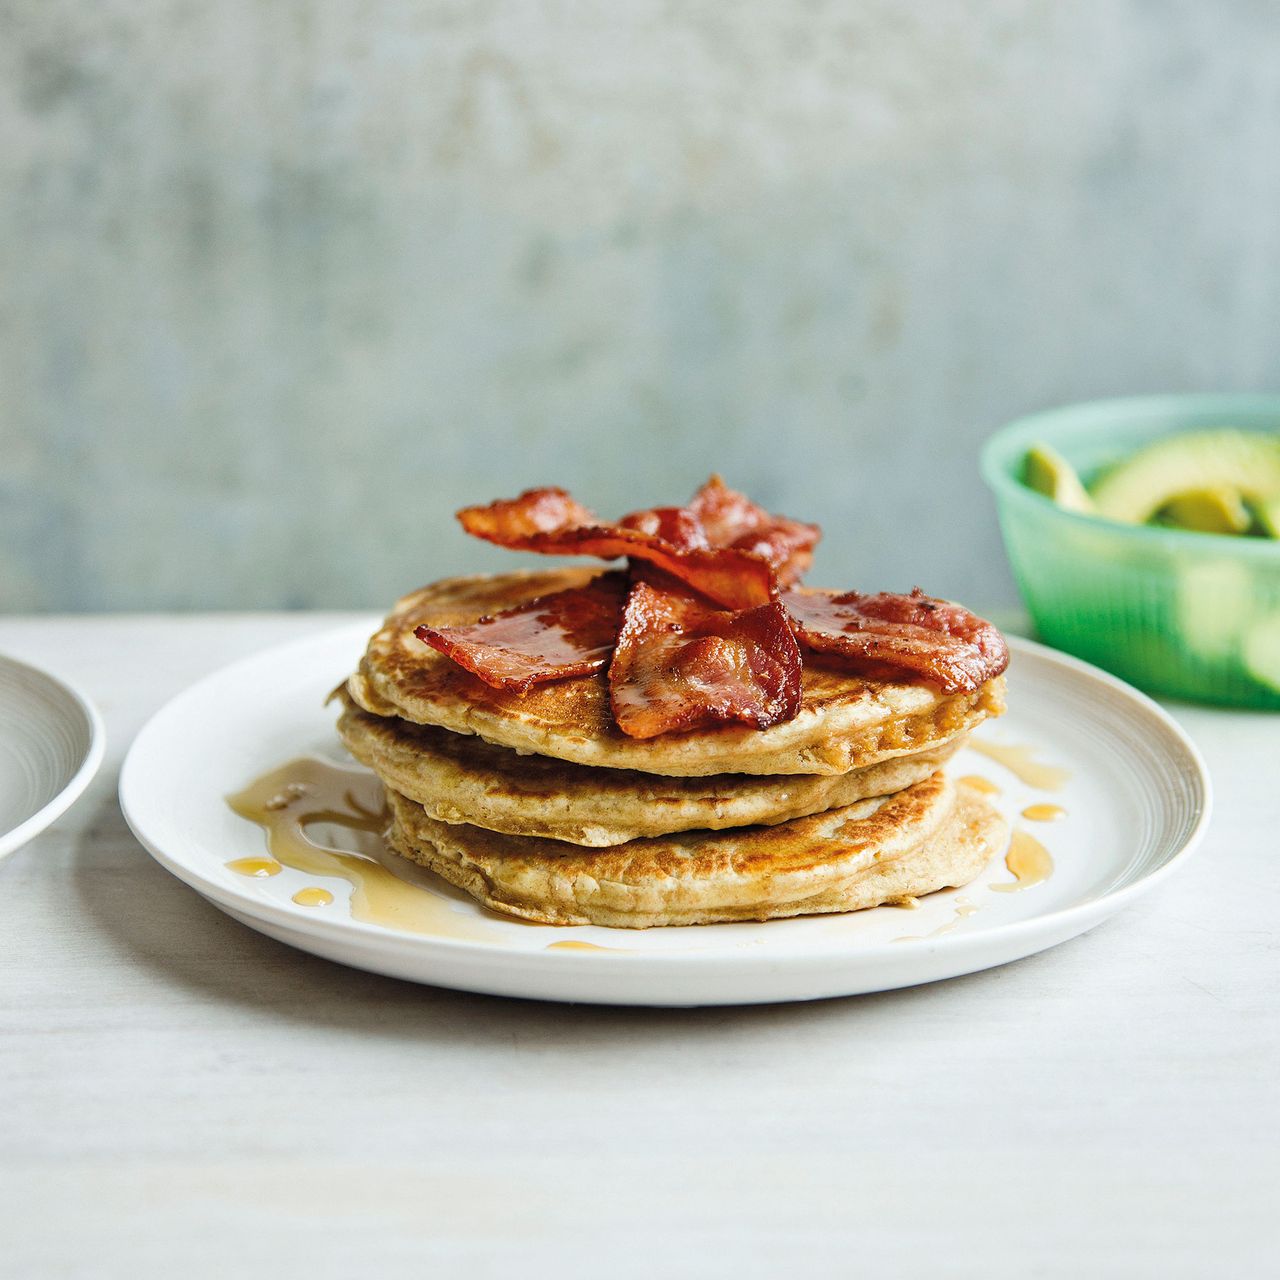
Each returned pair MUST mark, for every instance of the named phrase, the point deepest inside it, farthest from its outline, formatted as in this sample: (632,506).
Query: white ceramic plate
(1137,801)
(51,744)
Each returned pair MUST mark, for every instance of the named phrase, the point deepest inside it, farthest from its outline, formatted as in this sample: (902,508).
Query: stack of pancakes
(537,805)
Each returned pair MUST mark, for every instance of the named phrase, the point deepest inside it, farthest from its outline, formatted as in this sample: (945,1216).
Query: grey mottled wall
(282,283)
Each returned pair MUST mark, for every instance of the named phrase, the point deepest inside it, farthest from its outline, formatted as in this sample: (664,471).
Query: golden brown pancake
(932,835)
(458,778)
(845,722)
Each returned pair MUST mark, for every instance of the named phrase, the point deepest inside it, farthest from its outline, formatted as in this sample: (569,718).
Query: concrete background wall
(281,284)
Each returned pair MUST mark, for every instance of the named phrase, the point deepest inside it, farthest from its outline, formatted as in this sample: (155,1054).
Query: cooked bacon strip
(731,519)
(569,633)
(681,665)
(534,513)
(676,525)
(551,522)
(875,634)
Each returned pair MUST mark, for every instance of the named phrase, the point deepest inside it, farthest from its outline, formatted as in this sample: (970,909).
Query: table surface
(181,1092)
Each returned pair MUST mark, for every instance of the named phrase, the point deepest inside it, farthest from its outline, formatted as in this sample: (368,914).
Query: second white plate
(51,744)
(1132,786)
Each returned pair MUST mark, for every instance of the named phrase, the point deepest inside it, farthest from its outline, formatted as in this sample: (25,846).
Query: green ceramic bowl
(1195,615)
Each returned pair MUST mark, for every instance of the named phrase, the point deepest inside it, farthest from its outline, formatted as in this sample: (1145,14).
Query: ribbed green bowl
(1194,615)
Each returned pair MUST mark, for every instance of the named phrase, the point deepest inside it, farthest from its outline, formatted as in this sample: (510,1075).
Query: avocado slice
(1047,471)
(1134,490)
(1217,510)
(1266,511)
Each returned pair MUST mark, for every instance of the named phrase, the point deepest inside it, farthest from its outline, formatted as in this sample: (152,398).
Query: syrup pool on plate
(309,793)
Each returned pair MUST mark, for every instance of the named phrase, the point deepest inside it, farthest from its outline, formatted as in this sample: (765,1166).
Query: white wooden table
(183,1097)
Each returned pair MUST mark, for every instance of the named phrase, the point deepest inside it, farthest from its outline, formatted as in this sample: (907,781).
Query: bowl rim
(1012,440)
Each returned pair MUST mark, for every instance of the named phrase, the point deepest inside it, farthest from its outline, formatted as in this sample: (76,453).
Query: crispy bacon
(534,513)
(681,665)
(569,633)
(551,522)
(676,525)
(678,662)
(879,634)
(731,519)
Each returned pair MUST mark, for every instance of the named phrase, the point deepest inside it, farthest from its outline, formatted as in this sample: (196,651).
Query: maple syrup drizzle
(964,909)
(979,783)
(260,868)
(1044,813)
(309,796)
(1030,862)
(313,896)
(1018,760)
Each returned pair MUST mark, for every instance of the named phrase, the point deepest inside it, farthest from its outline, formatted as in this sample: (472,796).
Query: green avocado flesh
(1266,511)
(1048,472)
(1220,510)
(1245,463)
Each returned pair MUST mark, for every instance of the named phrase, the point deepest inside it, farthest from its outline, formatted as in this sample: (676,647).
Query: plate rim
(90,762)
(378,938)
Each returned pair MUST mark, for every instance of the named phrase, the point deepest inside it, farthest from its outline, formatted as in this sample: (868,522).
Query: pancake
(932,835)
(462,779)
(845,721)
